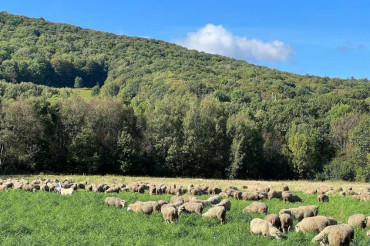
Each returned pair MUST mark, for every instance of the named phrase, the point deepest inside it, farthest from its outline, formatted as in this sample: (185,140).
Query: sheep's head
(274,232)
(297,228)
(181,209)
(129,207)
(122,203)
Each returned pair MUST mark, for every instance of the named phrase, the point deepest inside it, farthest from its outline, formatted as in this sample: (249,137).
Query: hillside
(159,109)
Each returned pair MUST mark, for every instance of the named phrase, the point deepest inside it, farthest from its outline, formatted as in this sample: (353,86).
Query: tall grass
(82,219)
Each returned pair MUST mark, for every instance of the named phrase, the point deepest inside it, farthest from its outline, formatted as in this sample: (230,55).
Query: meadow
(44,218)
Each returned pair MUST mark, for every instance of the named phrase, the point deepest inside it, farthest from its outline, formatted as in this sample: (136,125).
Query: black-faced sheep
(256,207)
(285,188)
(273,219)
(286,221)
(322,198)
(225,203)
(218,212)
(340,235)
(291,197)
(314,224)
(114,201)
(357,220)
(265,228)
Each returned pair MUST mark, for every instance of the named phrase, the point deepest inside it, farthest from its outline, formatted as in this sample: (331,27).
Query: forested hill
(156,108)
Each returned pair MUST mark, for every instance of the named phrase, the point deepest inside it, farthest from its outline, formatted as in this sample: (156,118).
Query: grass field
(44,218)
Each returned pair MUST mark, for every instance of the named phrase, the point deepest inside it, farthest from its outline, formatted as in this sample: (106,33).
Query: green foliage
(78,82)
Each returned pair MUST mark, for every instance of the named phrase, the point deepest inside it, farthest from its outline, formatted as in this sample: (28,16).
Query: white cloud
(217,40)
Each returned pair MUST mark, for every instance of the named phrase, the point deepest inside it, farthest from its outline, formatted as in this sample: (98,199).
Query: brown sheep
(340,235)
(273,219)
(291,197)
(225,203)
(218,212)
(274,194)
(256,207)
(169,214)
(265,228)
(191,207)
(113,201)
(252,196)
(286,221)
(314,224)
(357,220)
(322,198)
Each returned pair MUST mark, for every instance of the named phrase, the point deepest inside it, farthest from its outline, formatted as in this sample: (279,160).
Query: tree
(78,82)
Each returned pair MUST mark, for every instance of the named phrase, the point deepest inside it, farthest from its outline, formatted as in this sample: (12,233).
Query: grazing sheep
(285,188)
(44,187)
(311,192)
(245,187)
(141,207)
(252,196)
(291,197)
(214,199)
(368,222)
(17,185)
(273,219)
(114,201)
(191,207)
(265,228)
(338,189)
(357,220)
(256,207)
(301,212)
(3,187)
(218,212)
(322,198)
(314,224)
(237,195)
(323,190)
(340,235)
(223,194)
(113,189)
(196,192)
(274,194)
(225,203)
(205,203)
(286,221)
(342,193)
(177,200)
(169,214)
(66,192)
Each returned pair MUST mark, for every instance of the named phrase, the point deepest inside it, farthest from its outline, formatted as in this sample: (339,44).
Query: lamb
(218,212)
(225,203)
(113,201)
(286,221)
(191,207)
(169,213)
(274,194)
(322,198)
(265,228)
(214,199)
(340,235)
(273,219)
(256,207)
(291,197)
(314,224)
(65,192)
(357,220)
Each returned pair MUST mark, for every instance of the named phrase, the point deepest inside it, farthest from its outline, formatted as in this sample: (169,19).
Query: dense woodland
(155,108)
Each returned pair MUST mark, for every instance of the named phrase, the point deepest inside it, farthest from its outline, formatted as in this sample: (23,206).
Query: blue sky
(326,38)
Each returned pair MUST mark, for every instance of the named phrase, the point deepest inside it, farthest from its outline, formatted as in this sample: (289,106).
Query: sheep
(285,188)
(322,198)
(368,222)
(291,197)
(256,207)
(314,224)
(273,219)
(213,190)
(274,194)
(311,192)
(341,235)
(218,212)
(3,187)
(191,207)
(323,190)
(214,199)
(357,220)
(169,214)
(65,192)
(17,185)
(252,196)
(196,192)
(113,201)
(223,194)
(301,212)
(44,187)
(113,189)
(141,207)
(265,228)
(225,203)
(237,195)
(286,221)
(205,203)
(177,200)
